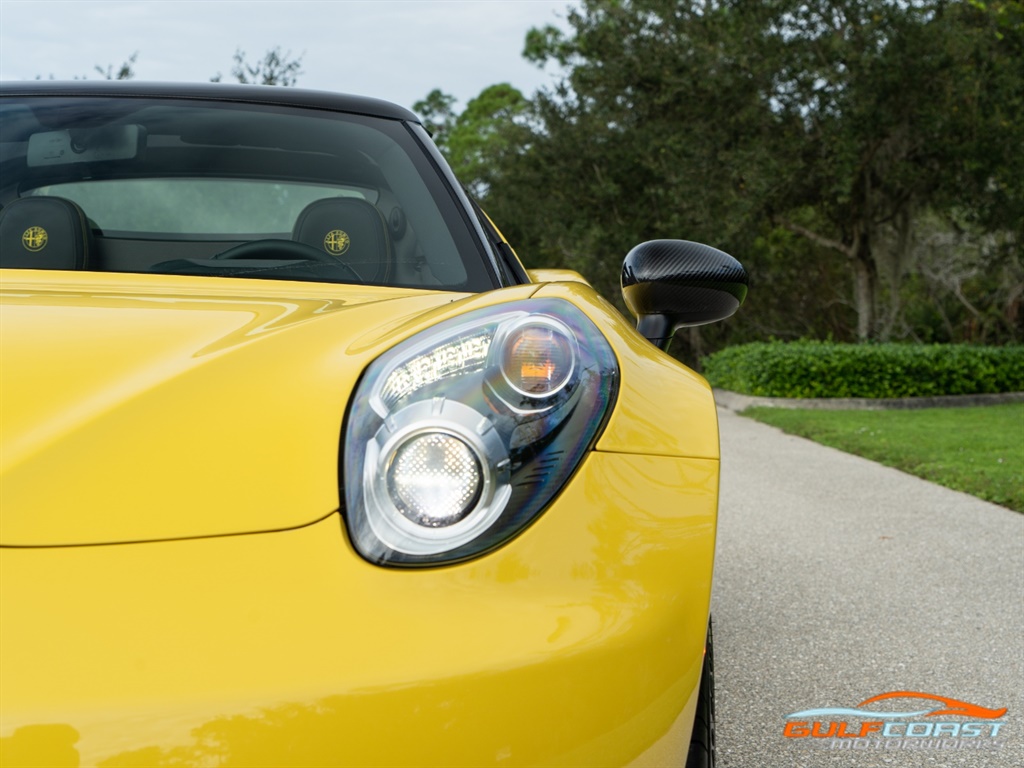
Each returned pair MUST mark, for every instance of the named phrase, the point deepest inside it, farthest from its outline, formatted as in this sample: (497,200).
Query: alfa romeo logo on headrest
(337,242)
(34,239)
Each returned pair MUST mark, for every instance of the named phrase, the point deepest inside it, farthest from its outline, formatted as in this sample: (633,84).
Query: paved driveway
(838,579)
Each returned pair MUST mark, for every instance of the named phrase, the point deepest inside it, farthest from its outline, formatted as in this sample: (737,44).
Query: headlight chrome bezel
(437,416)
(449,380)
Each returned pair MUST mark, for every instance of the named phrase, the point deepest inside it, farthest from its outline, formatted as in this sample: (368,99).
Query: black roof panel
(253,94)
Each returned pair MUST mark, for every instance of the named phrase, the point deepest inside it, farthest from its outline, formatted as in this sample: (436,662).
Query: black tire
(702,742)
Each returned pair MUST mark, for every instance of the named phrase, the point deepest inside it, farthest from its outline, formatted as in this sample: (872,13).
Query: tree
(477,140)
(658,130)
(125,72)
(903,107)
(487,136)
(846,123)
(275,68)
(438,115)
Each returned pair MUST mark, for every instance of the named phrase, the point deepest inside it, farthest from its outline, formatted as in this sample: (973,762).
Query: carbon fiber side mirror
(670,284)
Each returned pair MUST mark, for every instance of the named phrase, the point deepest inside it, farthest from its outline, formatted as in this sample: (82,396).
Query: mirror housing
(670,284)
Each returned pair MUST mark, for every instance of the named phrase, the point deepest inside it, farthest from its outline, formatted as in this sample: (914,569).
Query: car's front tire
(702,742)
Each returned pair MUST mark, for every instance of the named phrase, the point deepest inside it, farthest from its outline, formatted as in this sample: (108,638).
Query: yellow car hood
(143,407)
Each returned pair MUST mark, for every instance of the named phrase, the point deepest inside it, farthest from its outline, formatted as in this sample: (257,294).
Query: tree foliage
(124,72)
(437,111)
(479,140)
(277,67)
(862,157)
(660,129)
(902,110)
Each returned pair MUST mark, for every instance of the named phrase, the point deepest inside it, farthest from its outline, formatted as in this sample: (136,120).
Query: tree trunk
(895,265)
(865,281)
(864,270)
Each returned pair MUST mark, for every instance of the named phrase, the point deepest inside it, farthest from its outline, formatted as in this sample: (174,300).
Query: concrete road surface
(837,580)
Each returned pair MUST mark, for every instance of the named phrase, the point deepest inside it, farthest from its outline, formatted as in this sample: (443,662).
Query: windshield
(227,189)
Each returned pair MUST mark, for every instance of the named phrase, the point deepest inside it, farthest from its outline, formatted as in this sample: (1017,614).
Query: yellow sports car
(300,466)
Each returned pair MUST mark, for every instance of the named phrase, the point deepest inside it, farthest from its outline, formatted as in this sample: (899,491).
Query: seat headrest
(351,230)
(44,233)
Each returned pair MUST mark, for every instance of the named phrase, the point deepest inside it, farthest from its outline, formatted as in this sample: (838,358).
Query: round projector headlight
(434,479)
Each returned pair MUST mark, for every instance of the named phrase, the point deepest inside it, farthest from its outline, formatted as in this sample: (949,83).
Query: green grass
(976,450)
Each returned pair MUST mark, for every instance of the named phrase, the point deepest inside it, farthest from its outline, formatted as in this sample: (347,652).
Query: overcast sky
(397,50)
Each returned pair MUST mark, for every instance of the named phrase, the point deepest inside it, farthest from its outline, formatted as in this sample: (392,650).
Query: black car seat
(352,231)
(44,233)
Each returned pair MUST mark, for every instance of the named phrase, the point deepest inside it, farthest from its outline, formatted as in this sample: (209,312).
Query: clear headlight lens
(434,479)
(459,437)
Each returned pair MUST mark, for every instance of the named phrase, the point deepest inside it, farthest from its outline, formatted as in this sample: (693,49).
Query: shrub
(828,369)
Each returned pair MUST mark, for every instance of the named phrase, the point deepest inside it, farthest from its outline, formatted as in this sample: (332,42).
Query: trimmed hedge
(828,369)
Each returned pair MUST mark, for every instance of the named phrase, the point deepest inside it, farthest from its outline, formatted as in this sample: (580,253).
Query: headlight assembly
(460,436)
